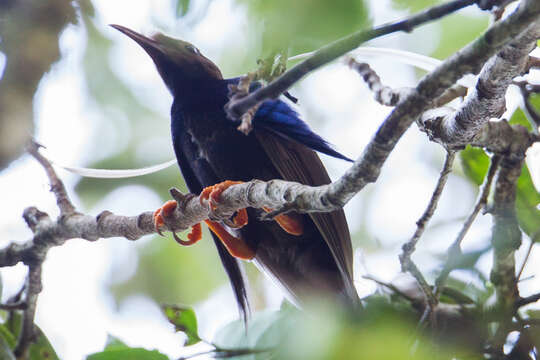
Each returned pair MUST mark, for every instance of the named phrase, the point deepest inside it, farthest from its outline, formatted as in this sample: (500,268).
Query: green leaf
(113,343)
(184,320)
(8,336)
(182,7)
(527,203)
(265,331)
(5,350)
(475,163)
(128,354)
(117,350)
(519,117)
(41,349)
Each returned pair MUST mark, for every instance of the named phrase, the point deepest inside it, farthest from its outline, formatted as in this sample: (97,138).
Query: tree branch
(506,239)
(238,106)
(408,248)
(487,100)
(454,251)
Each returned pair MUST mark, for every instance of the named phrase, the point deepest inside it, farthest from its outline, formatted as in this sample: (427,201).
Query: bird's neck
(202,94)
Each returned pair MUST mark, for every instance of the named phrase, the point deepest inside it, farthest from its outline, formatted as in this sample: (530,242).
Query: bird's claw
(161,214)
(194,236)
(292,223)
(212,194)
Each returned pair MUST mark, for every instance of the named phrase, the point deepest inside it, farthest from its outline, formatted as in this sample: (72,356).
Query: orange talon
(164,211)
(195,233)
(212,194)
(291,223)
(168,208)
(240,219)
(194,236)
(158,221)
(237,247)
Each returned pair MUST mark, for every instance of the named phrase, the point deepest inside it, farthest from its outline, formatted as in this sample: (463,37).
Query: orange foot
(165,211)
(212,194)
(291,223)
(237,247)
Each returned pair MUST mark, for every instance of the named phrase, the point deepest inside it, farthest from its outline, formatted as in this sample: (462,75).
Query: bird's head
(179,63)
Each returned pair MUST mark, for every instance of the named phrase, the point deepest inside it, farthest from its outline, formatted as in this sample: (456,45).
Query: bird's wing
(278,117)
(281,119)
(296,162)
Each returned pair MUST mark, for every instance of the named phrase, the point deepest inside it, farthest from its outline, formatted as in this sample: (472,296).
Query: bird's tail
(232,267)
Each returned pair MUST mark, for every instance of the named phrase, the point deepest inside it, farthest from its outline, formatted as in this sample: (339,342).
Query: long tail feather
(115,174)
(236,278)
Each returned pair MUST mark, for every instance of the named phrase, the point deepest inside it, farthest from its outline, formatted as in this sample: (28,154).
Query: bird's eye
(193,49)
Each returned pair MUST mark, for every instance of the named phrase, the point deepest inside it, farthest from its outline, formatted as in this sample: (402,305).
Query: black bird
(306,254)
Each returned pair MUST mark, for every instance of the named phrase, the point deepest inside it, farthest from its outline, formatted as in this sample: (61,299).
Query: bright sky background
(75,309)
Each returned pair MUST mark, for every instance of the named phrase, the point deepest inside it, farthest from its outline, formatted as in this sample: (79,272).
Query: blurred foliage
(116,350)
(184,320)
(519,117)
(40,349)
(527,205)
(112,96)
(182,7)
(29,33)
(304,25)
(457,31)
(414,6)
(171,273)
(476,163)
(325,332)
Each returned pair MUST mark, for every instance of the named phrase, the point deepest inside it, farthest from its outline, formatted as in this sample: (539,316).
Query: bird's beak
(151,46)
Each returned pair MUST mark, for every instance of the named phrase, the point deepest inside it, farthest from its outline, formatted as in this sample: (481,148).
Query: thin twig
(527,300)
(57,187)
(391,287)
(235,108)
(450,94)
(522,267)
(384,95)
(28,331)
(533,63)
(532,114)
(20,305)
(455,249)
(408,248)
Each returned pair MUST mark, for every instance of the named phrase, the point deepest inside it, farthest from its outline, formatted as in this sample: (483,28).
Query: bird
(306,254)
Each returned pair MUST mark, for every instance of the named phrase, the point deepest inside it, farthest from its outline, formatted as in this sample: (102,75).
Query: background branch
(487,100)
